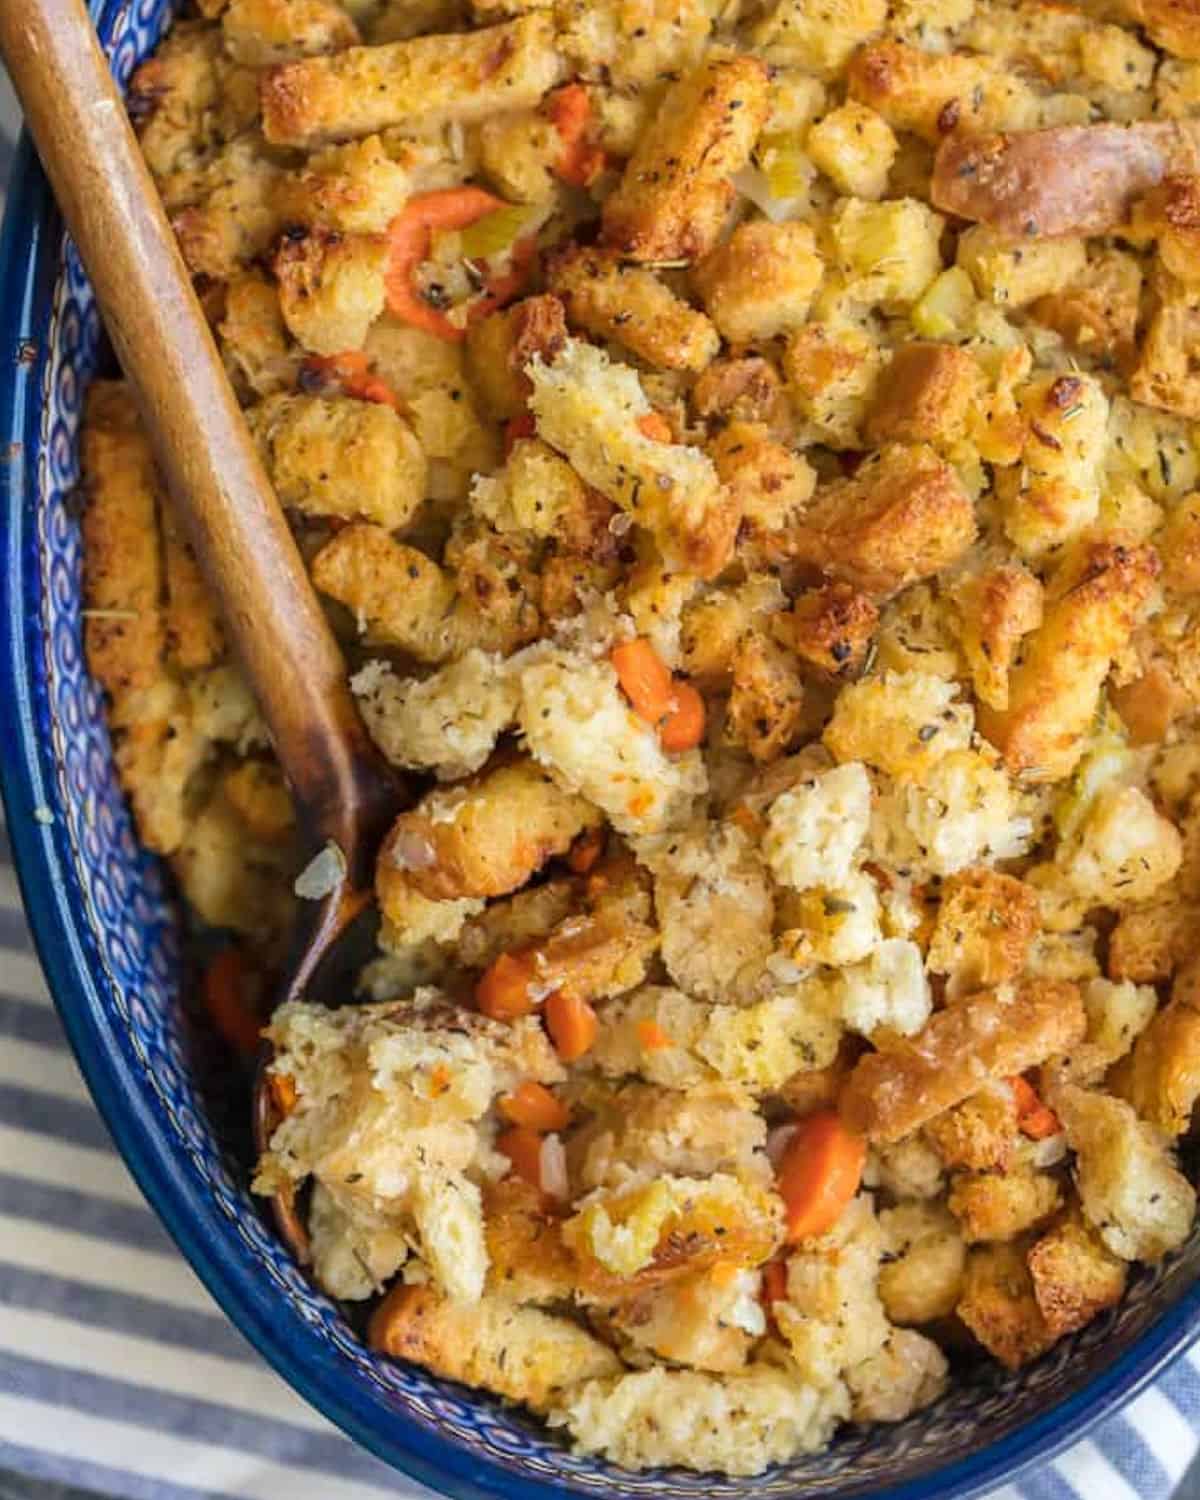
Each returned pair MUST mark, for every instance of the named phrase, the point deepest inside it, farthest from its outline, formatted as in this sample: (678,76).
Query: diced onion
(322,875)
(552,1169)
(777,1142)
(495,232)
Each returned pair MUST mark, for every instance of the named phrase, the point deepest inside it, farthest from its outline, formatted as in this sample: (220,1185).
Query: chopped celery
(496,232)
(945,306)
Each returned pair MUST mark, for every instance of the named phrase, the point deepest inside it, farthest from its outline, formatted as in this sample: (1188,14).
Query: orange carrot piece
(572,1024)
(282,1088)
(225,996)
(655,427)
(586,850)
(523,1147)
(570,110)
(819,1174)
(1036,1120)
(652,1037)
(533,1106)
(644,678)
(503,991)
(352,371)
(683,727)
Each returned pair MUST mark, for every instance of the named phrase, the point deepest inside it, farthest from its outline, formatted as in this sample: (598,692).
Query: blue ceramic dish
(106,932)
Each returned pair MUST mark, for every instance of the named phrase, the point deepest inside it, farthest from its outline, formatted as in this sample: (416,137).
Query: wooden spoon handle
(207,456)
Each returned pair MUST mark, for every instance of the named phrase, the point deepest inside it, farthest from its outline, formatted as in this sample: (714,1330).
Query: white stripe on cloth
(45,1070)
(21,977)
(1164,1430)
(41,1159)
(1091,1475)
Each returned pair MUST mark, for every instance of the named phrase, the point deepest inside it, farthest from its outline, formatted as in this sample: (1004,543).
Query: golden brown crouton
(518,1352)
(980,1134)
(1179,546)
(258,794)
(829,628)
(925,396)
(515,921)
(528,1261)
(675,193)
(1161,1077)
(482,837)
(921,1275)
(746,388)
(1074,1275)
(427,81)
(189,98)
(356,189)
(1150,942)
(1165,375)
(902,517)
(633,42)
(690,1321)
(770,483)
(998,1305)
(1002,1205)
(715,623)
(985,925)
(500,346)
(995,609)
(331,287)
(817,37)
(223,212)
(1096,597)
(832,373)
(254,340)
(1173,24)
(761,281)
(631,306)
(1096,313)
(766,702)
(928,93)
(993,1034)
(194,637)
(260,32)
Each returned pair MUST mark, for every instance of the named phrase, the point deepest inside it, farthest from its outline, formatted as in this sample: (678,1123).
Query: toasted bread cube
(930,93)
(889,252)
(925,397)
(635,42)
(761,281)
(589,408)
(194,637)
(501,346)
(527,1260)
(993,1034)
(258,793)
(818,37)
(484,837)
(1165,375)
(699,1321)
(632,307)
(518,154)
(519,1352)
(1096,312)
(921,1277)
(1161,1078)
(855,149)
(1002,1205)
(903,723)
(1179,546)
(254,339)
(331,287)
(356,189)
(189,98)
(771,484)
(1074,1275)
(998,1305)
(261,32)
(832,374)
(995,609)
(223,213)
(1130,1188)
(675,194)
(815,829)
(744,389)
(1171,24)
(428,81)
(713,624)
(1013,275)
(830,629)
(980,1134)
(340,457)
(1123,852)
(902,517)
(985,925)
(1096,597)
(766,702)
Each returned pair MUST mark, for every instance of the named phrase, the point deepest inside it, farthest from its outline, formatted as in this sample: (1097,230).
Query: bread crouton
(189,98)
(1165,376)
(354,189)
(816,829)
(261,32)
(926,396)
(223,211)
(331,287)
(527,1260)
(519,1352)
(194,637)
(832,374)
(822,37)
(712,896)
(1002,1205)
(887,992)
(980,1134)
(1096,597)
(484,837)
(668,1038)
(713,624)
(1161,1077)
(577,723)
(902,723)
(334,456)
(430,80)
(515,921)
(254,341)
(635,42)
(926,92)
(518,153)
(1131,1191)
(888,253)
(611,299)
(761,281)
(1124,850)
(1014,273)
(500,346)
(589,409)
(766,702)
(1150,942)
(922,1271)
(1179,546)
(259,795)
(673,198)
(770,484)
(998,1305)
(1074,1275)
(1172,24)
(837,924)
(994,610)
(699,1321)
(985,925)
(1096,313)
(739,1423)
(902,517)
(855,149)
(992,1034)
(743,388)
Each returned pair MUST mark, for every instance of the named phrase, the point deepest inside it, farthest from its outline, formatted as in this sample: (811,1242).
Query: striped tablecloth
(112,1353)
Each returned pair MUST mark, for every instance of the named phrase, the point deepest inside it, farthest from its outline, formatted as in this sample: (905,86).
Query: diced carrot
(652,1037)
(579,163)
(655,427)
(572,1024)
(503,991)
(524,426)
(724,1273)
(440,1080)
(523,1147)
(533,1105)
(282,1087)
(644,678)
(1037,1120)
(586,850)
(410,234)
(352,371)
(228,1000)
(774,1288)
(683,727)
(819,1174)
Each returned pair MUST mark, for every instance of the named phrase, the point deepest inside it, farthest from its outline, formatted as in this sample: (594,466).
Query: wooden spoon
(344,792)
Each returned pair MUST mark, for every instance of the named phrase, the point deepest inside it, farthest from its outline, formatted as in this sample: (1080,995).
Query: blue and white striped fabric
(118,1373)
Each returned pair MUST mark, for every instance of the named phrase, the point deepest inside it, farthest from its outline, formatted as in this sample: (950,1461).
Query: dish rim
(30,263)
